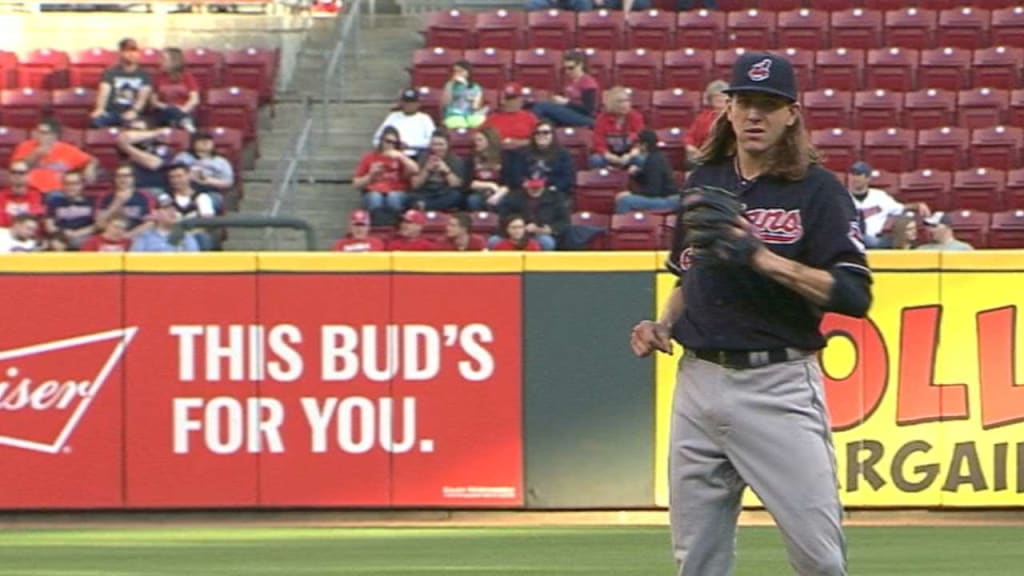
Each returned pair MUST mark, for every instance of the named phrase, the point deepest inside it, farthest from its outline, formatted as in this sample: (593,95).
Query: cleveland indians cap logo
(760,71)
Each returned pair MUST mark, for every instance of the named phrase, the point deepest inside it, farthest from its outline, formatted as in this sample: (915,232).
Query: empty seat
(45,69)
(1013,196)
(432,66)
(856,28)
(997,67)
(10,137)
(942,148)
(723,60)
(491,66)
(651,29)
(102,143)
(1007,26)
(8,70)
(430,101)
(978,189)
(965,27)
(981,107)
(890,149)
(638,68)
(891,69)
(1016,107)
(600,65)
(1006,229)
(888,181)
(803,66)
(997,147)
(205,66)
(635,231)
(938,4)
(641,100)
(672,142)
(779,5)
(552,29)
(674,107)
(596,189)
(911,28)
(946,68)
(87,66)
(151,60)
(753,28)
(484,222)
(252,68)
(803,28)
(827,108)
(875,109)
(971,226)
(839,69)
(597,220)
(881,4)
(600,29)
(929,186)
(700,29)
(686,68)
(841,147)
(232,107)
(451,29)
(539,68)
(929,108)
(578,141)
(502,29)
(73,106)
(23,107)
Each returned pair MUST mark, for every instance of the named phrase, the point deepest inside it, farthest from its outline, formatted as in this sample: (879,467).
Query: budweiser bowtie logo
(46,389)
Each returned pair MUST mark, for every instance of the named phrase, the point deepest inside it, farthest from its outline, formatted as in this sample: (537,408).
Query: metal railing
(242,221)
(334,89)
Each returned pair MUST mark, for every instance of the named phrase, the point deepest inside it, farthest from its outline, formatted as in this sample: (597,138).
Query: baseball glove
(715,226)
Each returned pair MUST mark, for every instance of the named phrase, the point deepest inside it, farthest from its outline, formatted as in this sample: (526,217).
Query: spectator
(542,158)
(543,209)
(124,202)
(485,176)
(437,185)
(48,158)
(514,235)
(176,92)
(904,233)
(654,188)
(458,237)
(114,237)
(940,228)
(874,204)
(410,234)
(70,216)
(383,175)
(158,237)
(463,98)
(414,126)
(210,172)
(21,236)
(150,154)
(615,130)
(577,105)
(715,100)
(513,124)
(358,238)
(124,89)
(191,203)
(19,197)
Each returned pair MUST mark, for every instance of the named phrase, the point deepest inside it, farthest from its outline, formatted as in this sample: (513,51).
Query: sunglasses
(390,141)
(543,133)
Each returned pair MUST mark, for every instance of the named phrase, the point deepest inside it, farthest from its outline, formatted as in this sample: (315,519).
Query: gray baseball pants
(766,428)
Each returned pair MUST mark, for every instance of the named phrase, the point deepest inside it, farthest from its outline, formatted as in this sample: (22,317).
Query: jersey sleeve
(832,234)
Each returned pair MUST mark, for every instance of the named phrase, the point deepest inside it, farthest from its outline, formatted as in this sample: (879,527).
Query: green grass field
(622,551)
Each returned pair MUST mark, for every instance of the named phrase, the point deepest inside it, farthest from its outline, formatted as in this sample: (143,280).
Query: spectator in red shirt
(615,131)
(176,92)
(458,238)
(577,105)
(383,174)
(114,237)
(358,238)
(409,237)
(714,101)
(49,158)
(513,124)
(19,197)
(514,236)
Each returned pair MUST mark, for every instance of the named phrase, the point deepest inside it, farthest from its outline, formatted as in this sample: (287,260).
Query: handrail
(336,61)
(243,221)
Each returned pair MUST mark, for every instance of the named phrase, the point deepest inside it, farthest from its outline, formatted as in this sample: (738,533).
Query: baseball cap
(763,73)
(535,183)
(512,90)
(414,216)
(359,217)
(410,95)
(860,168)
(937,218)
(127,44)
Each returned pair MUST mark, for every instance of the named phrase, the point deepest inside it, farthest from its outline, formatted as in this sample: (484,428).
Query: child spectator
(458,237)
(654,188)
(414,126)
(19,197)
(514,236)
(437,185)
(176,92)
(486,188)
(577,105)
(124,202)
(383,175)
(409,237)
(158,237)
(358,238)
(513,124)
(48,158)
(615,130)
(210,172)
(543,209)
(21,236)
(463,98)
(70,216)
(114,237)
(544,158)
(124,89)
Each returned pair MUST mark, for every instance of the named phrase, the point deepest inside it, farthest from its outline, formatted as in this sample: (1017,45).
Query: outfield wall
(458,381)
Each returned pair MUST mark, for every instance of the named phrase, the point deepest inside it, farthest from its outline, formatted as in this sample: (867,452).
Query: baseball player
(766,242)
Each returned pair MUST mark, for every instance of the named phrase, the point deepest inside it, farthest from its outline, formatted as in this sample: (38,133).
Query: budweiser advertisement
(279,390)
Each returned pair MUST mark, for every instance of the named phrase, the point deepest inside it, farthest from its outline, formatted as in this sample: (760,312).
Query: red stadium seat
(10,137)
(435,225)
(638,68)
(252,68)
(433,66)
(484,222)
(1014,193)
(453,29)
(539,68)
(205,66)
(700,29)
(460,140)
(102,143)
(674,107)
(501,29)
(803,65)
(596,189)
(911,28)
(672,143)
(491,66)
(1007,229)
(997,147)
(888,181)
(978,189)
(652,29)
(929,186)
(874,109)
(938,4)
(779,5)
(839,69)
(602,221)
(635,231)
(994,4)
(8,70)
(803,28)
(430,101)
(73,106)
(827,108)
(602,29)
(982,107)
(890,149)
(892,69)
(641,100)
(856,28)
(229,142)
(232,107)
(600,65)
(942,148)
(841,147)
(686,68)
(578,141)
(723,60)
(23,107)
(929,108)
(971,226)
(45,69)
(832,5)
(946,68)
(1016,107)
(997,67)
(552,29)
(753,29)
(965,27)
(1007,26)
(151,60)
(87,66)
(881,4)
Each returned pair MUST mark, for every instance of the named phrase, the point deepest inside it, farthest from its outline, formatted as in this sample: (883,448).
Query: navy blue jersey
(135,209)
(70,213)
(812,221)
(146,179)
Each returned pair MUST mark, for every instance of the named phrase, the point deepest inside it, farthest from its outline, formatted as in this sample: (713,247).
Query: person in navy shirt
(150,154)
(125,201)
(70,216)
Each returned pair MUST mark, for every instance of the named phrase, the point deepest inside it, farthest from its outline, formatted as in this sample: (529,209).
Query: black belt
(747,359)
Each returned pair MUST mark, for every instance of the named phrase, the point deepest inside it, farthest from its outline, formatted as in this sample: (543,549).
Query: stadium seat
(252,68)
(231,107)
(874,109)
(600,65)
(539,68)
(23,107)
(674,107)
(502,29)
(929,108)
(460,140)
(430,101)
(779,5)
(803,65)
(965,27)
(995,4)
(1007,26)
(686,68)
(938,4)
(672,143)
(601,29)
(700,29)
(484,222)
(205,66)
(578,141)
(102,143)
(997,147)
(454,29)
(978,189)
(911,27)
(641,100)
(997,67)
(73,106)
(890,149)
(435,225)
(981,107)
(881,4)
(1013,196)
(839,69)
(832,5)
(491,66)
(45,69)
(433,66)
(753,29)
(1007,229)
(551,29)
(8,70)
(651,29)
(1016,108)
(888,181)
(856,28)
(803,28)
(229,142)
(891,69)
(946,68)
(971,226)
(151,60)
(87,66)
(596,189)
(635,231)
(638,68)
(942,148)
(723,60)
(929,186)
(827,108)
(598,220)
(10,137)
(841,147)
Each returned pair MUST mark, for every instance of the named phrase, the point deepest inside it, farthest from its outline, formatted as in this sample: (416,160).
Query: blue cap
(764,73)
(860,168)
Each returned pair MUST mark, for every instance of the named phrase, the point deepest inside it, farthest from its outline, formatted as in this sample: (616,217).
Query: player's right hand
(648,336)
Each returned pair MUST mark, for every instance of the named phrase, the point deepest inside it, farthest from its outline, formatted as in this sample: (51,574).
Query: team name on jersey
(776,225)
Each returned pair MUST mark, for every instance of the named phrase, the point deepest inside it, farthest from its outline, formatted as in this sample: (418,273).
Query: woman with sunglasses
(577,105)
(543,158)
(383,174)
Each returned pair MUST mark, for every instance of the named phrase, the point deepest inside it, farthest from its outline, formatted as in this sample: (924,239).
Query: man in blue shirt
(158,238)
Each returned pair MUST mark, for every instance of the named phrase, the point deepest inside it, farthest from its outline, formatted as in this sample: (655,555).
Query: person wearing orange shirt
(49,158)
(358,238)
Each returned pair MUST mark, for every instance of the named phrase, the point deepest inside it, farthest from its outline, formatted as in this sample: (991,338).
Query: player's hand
(649,336)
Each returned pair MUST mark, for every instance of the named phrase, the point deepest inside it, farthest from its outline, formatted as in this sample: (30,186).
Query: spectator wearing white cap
(940,228)
(414,126)
(875,205)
